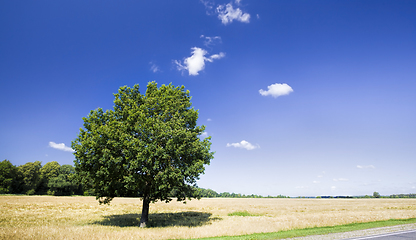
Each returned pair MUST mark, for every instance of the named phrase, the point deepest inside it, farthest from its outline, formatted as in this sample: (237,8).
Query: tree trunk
(145,212)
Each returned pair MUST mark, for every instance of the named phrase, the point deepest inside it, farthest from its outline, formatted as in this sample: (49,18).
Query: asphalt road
(411,234)
(402,232)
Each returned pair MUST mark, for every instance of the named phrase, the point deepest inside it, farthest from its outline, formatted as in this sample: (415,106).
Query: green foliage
(30,176)
(60,186)
(31,192)
(376,195)
(65,183)
(410,195)
(147,146)
(48,171)
(7,177)
(209,193)
(67,170)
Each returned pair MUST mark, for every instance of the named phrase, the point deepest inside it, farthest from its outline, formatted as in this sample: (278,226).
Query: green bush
(31,192)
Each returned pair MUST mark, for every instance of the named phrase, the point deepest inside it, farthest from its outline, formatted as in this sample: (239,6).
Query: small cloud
(258,16)
(243,144)
(209,5)
(333,187)
(227,14)
(209,119)
(340,179)
(196,62)
(60,146)
(299,187)
(204,134)
(46,155)
(276,90)
(216,56)
(154,68)
(320,176)
(209,41)
(368,166)
(316,181)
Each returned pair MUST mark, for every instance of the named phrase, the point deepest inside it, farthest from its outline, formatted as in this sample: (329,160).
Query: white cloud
(320,176)
(209,41)
(333,187)
(276,90)
(216,56)
(243,144)
(204,134)
(154,68)
(209,119)
(60,146)
(196,62)
(227,14)
(369,166)
(316,181)
(299,187)
(209,5)
(340,179)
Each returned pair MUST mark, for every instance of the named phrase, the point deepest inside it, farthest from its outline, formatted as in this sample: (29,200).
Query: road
(406,231)
(411,234)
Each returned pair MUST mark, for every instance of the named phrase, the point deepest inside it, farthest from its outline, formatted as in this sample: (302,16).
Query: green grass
(317,230)
(242,214)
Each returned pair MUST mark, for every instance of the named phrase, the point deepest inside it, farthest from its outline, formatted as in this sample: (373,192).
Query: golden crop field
(48,217)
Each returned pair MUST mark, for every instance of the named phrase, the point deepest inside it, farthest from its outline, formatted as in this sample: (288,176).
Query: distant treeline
(411,195)
(33,178)
(209,193)
(59,180)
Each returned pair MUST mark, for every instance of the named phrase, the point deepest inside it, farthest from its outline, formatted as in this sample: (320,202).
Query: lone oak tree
(148,146)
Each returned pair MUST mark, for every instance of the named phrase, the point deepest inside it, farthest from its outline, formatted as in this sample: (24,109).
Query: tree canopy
(33,178)
(7,176)
(30,173)
(148,146)
(48,171)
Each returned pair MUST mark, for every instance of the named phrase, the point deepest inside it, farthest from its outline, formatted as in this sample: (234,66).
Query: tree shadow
(183,219)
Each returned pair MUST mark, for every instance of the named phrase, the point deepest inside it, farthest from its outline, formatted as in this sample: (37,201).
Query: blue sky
(300,97)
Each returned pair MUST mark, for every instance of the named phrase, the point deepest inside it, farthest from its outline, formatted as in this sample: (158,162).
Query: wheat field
(48,217)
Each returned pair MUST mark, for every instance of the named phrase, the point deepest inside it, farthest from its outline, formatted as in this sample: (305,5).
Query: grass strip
(316,230)
(243,214)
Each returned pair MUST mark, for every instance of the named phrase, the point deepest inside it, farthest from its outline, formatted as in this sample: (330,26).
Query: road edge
(359,233)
